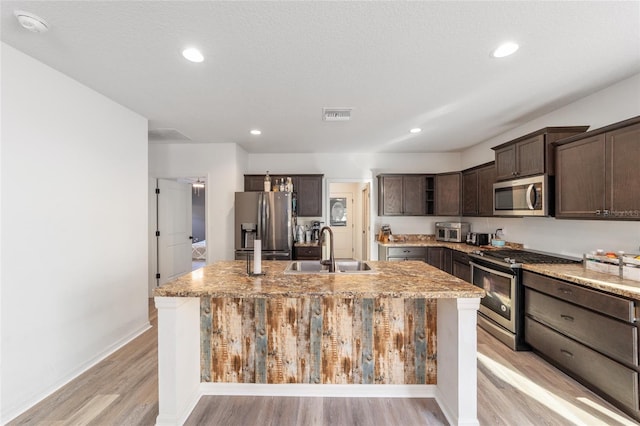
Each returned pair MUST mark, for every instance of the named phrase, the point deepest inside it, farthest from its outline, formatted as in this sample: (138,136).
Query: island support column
(178,358)
(457,389)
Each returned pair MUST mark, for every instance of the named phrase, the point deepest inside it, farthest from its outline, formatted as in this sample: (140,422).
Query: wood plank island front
(409,330)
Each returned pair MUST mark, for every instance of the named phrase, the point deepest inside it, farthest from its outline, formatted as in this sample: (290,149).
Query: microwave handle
(531,189)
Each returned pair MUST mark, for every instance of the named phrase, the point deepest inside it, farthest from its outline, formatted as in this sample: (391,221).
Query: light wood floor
(514,388)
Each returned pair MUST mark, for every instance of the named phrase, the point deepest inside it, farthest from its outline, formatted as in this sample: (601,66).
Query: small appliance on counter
(385,233)
(454,232)
(315,230)
(478,239)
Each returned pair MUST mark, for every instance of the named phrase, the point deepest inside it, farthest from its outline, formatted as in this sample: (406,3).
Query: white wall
(74,224)
(574,237)
(224,165)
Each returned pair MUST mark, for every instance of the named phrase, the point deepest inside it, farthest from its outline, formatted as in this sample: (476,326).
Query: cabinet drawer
(609,304)
(609,336)
(615,380)
(420,252)
(308,253)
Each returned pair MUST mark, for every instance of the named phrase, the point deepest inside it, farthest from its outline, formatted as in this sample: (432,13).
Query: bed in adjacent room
(199,250)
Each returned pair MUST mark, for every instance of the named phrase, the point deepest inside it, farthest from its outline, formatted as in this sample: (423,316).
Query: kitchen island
(221,331)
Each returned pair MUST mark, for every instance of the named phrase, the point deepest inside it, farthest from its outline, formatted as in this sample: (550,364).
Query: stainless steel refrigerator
(264,216)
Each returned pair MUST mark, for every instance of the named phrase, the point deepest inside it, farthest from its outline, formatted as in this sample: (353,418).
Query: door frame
(369,208)
(153,220)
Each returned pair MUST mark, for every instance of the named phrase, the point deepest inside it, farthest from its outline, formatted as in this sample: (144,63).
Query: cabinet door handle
(566,353)
(566,317)
(565,290)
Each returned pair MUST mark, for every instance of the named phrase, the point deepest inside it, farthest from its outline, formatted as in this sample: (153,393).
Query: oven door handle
(491,271)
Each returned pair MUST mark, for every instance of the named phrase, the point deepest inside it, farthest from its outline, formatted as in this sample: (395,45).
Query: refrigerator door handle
(260,212)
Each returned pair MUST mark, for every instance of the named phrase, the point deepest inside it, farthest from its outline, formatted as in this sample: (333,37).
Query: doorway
(177,228)
(198,223)
(348,209)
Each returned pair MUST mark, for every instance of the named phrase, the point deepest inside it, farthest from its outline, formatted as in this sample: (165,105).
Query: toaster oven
(455,232)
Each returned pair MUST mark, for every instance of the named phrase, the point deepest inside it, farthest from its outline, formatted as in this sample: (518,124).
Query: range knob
(510,260)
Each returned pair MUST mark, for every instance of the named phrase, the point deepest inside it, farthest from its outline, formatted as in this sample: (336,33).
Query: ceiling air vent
(167,135)
(336,114)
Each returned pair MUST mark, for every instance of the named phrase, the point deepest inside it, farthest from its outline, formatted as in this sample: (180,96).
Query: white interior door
(174,226)
(341,222)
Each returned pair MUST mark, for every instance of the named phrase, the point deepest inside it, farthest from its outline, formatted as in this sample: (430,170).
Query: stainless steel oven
(500,311)
(499,273)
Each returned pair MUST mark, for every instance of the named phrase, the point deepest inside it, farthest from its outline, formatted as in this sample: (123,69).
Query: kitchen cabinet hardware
(566,353)
(566,317)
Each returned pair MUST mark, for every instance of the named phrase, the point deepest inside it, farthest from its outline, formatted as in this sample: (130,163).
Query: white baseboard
(12,412)
(326,390)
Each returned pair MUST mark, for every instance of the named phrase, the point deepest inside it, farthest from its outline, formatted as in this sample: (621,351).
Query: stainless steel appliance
(455,232)
(499,273)
(263,216)
(478,239)
(523,197)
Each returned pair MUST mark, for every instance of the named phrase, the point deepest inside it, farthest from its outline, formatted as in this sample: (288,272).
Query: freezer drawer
(615,381)
(615,338)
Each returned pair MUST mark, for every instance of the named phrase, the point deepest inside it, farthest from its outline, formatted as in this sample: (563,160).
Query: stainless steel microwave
(523,197)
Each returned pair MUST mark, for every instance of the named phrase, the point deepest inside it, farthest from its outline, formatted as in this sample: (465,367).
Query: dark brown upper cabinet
(477,190)
(531,154)
(308,189)
(403,194)
(598,173)
(448,189)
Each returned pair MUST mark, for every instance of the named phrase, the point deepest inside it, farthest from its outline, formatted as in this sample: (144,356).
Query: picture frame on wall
(338,207)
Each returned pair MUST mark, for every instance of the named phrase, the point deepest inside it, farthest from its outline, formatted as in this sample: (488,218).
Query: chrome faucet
(332,261)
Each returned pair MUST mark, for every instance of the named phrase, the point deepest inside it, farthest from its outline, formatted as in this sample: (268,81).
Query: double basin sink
(342,267)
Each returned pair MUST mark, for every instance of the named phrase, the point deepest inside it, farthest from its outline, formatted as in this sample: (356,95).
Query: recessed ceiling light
(505,49)
(31,22)
(416,130)
(256,132)
(193,54)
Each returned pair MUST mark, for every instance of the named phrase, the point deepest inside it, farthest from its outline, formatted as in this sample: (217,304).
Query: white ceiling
(275,65)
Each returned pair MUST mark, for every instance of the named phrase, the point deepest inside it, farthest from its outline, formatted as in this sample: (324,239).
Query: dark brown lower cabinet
(460,266)
(590,335)
(307,252)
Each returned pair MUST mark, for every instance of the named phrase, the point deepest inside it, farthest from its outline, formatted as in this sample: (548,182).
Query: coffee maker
(315,230)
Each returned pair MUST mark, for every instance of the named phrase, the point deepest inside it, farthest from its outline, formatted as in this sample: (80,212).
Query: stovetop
(515,258)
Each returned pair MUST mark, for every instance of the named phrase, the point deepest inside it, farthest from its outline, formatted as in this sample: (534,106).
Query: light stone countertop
(575,273)
(578,274)
(412,279)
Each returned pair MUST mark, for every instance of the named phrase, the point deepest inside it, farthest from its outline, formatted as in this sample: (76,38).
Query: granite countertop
(578,274)
(412,279)
(306,244)
(575,273)
(462,247)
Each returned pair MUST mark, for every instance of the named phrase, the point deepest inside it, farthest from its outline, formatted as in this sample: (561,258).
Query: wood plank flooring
(514,388)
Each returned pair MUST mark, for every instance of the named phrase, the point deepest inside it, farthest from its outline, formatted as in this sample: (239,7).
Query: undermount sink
(342,267)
